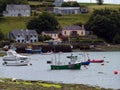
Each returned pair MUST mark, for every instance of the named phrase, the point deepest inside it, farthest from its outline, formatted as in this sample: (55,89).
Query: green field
(34,3)
(10,23)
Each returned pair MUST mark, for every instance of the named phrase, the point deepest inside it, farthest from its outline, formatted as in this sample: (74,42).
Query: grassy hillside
(110,6)
(73,19)
(10,23)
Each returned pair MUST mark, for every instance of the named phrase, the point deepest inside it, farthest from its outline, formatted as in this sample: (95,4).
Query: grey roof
(18,7)
(23,32)
(51,32)
(74,27)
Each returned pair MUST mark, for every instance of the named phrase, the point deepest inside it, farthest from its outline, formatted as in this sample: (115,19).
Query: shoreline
(18,84)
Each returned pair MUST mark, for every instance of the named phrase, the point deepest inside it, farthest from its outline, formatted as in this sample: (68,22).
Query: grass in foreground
(7,84)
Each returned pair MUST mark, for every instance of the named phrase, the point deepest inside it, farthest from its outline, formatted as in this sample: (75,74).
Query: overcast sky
(105,1)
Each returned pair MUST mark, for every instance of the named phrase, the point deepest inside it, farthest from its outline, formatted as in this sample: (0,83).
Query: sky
(93,1)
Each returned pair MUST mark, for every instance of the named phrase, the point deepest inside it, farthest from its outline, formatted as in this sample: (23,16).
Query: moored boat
(96,61)
(67,66)
(16,63)
(14,59)
(85,63)
(72,64)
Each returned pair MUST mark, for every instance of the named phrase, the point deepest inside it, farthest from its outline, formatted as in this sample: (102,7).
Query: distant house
(73,30)
(52,34)
(66,10)
(23,36)
(58,3)
(17,10)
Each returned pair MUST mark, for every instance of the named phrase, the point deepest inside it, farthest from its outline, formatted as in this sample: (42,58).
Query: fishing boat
(72,64)
(14,59)
(96,61)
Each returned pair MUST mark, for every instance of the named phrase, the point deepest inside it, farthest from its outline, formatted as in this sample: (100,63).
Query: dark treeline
(105,23)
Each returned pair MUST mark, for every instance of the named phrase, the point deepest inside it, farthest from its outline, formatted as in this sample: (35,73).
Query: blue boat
(33,51)
(85,63)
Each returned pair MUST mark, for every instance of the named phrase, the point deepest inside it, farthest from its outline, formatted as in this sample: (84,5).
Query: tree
(105,24)
(1,36)
(45,22)
(100,2)
(70,4)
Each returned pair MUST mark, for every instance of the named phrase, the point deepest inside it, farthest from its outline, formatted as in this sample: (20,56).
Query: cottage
(23,36)
(52,34)
(73,30)
(66,10)
(17,10)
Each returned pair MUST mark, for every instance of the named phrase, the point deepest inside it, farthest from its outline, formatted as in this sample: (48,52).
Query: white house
(66,10)
(23,36)
(17,10)
(58,3)
(52,34)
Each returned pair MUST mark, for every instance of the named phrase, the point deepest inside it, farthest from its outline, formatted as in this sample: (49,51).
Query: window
(18,35)
(73,33)
(31,41)
(81,33)
(18,41)
(23,40)
(65,32)
(35,40)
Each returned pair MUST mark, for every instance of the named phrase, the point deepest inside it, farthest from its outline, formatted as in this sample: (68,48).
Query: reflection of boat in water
(14,59)
(47,53)
(72,64)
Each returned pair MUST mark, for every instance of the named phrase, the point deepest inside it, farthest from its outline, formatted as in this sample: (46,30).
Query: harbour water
(96,74)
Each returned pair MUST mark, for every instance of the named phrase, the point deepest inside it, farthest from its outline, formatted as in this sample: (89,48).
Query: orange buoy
(115,72)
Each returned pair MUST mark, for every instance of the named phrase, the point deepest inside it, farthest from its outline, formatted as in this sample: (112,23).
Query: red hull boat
(96,61)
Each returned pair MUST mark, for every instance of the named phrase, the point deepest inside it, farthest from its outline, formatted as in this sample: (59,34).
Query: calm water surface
(95,74)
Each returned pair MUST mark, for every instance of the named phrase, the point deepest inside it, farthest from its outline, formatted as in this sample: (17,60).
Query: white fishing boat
(14,59)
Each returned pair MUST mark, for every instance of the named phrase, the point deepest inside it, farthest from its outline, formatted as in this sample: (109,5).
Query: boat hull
(32,51)
(96,61)
(69,66)
(85,63)
(16,63)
